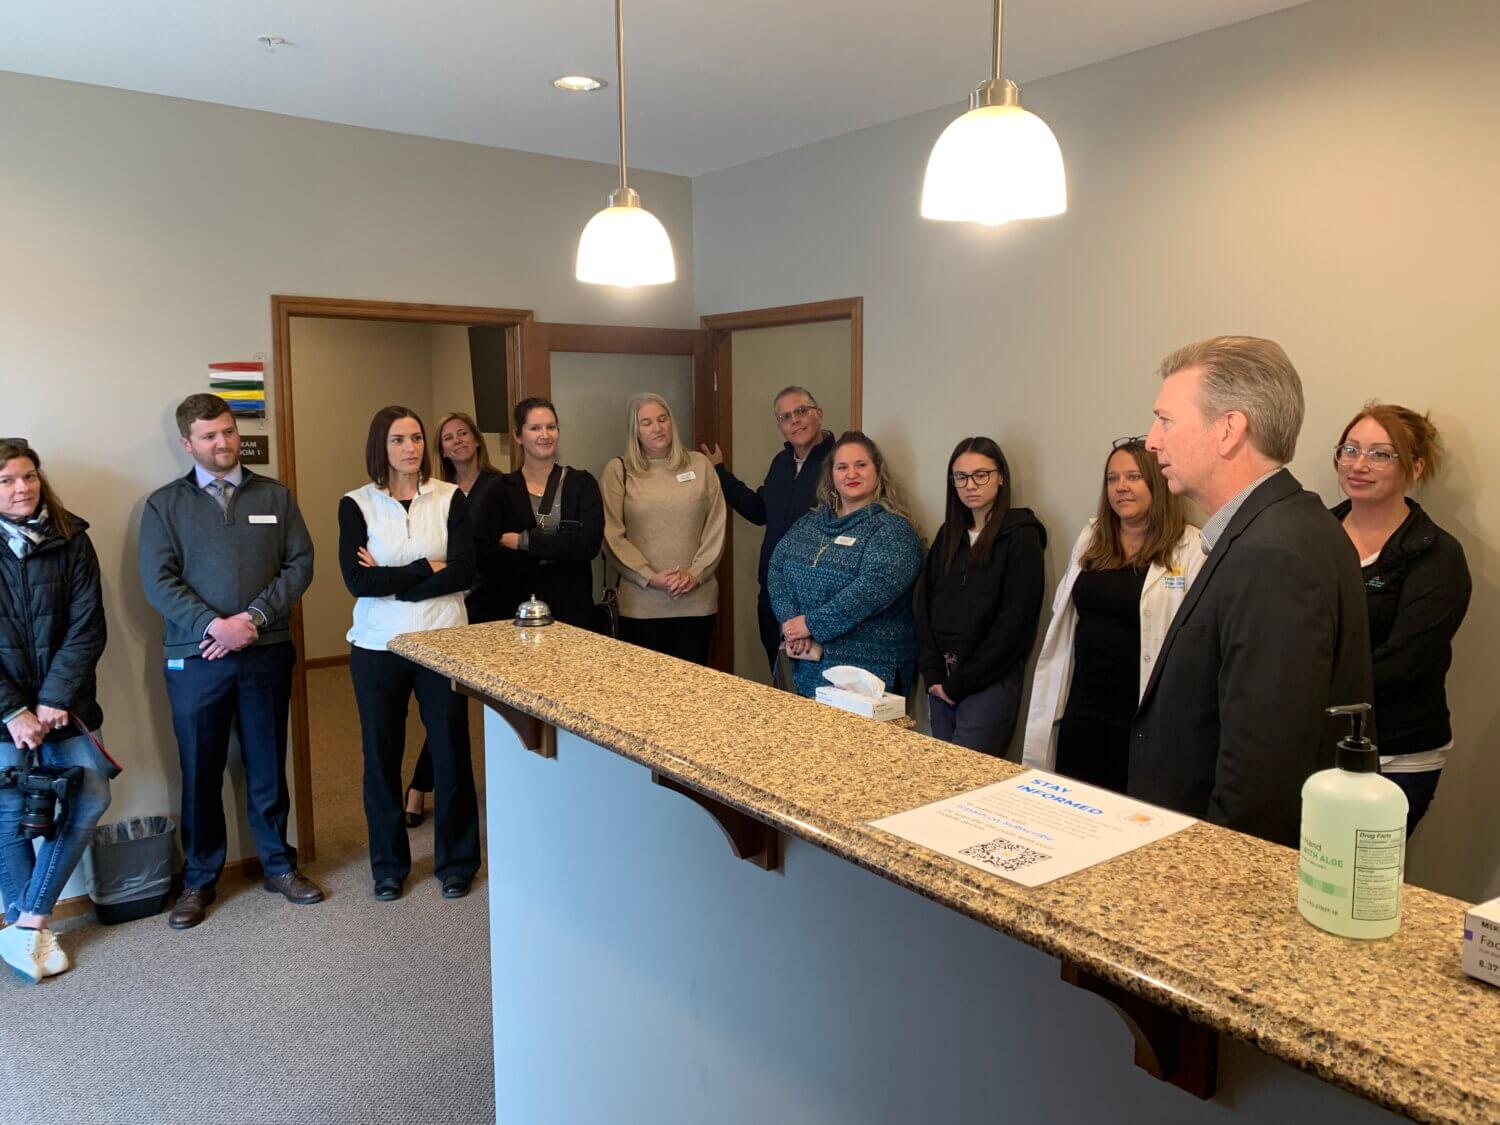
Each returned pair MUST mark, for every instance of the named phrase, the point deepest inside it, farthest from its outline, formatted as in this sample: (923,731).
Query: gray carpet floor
(348,1011)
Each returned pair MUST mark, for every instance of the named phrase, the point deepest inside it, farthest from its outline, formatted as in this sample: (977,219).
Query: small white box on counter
(1482,941)
(885,708)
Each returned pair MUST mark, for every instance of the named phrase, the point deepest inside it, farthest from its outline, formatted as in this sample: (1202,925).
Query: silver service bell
(533,612)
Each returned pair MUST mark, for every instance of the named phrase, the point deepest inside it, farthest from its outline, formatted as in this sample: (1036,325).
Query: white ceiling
(712,83)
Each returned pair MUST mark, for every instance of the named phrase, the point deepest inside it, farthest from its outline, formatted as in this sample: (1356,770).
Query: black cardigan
(1417,590)
(557,566)
(51,629)
(986,615)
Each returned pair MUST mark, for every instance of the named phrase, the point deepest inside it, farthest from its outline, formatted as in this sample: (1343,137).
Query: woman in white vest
(1126,577)
(407,556)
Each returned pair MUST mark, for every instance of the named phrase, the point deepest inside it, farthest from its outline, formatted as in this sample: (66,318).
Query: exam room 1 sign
(255,449)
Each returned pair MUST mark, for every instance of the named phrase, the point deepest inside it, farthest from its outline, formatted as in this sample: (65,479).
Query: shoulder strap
(549,493)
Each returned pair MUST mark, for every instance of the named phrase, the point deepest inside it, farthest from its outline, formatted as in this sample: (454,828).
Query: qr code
(1003,855)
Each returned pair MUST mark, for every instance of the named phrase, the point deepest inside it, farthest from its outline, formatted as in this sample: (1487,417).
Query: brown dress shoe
(294,887)
(192,907)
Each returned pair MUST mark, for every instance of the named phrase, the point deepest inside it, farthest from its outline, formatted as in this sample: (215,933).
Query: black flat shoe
(413,819)
(455,887)
(387,889)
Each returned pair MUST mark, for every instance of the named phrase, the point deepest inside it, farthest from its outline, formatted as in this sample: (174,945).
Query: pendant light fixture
(624,244)
(997,162)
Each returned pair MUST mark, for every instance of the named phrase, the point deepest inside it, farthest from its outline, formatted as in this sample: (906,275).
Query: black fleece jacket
(985,615)
(51,629)
(1417,591)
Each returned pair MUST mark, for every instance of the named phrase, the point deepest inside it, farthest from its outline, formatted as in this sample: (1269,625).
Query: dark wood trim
(1168,1045)
(283,308)
(536,735)
(326,662)
(843,308)
(621,339)
(749,839)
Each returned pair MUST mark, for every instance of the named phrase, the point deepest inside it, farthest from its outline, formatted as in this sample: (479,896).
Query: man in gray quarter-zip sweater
(224,557)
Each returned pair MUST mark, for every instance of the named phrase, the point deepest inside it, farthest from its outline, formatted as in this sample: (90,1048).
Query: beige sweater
(661,521)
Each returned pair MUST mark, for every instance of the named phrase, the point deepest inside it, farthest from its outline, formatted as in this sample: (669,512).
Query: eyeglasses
(1138,439)
(796,412)
(1349,454)
(980,477)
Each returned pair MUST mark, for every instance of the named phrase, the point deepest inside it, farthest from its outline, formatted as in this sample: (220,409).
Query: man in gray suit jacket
(1274,629)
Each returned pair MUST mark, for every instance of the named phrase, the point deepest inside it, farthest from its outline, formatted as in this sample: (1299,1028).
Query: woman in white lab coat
(1126,577)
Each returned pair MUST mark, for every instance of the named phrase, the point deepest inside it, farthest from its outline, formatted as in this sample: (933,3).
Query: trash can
(132,868)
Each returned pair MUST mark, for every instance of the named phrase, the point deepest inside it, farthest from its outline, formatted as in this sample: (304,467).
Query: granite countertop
(1204,922)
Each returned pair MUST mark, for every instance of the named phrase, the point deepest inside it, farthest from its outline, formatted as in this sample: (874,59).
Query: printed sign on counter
(1034,828)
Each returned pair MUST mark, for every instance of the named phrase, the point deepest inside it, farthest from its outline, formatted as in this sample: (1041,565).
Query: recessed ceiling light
(579,83)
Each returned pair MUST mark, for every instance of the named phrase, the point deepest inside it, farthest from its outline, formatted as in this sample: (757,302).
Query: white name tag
(846,541)
(261,519)
(683,478)
(1176,582)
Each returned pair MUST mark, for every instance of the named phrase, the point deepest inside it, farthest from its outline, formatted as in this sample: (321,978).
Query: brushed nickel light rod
(620,74)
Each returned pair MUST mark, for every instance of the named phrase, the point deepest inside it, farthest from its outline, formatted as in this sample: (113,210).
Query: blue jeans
(32,880)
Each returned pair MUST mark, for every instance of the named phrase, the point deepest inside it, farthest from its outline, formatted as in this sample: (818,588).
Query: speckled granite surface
(1204,922)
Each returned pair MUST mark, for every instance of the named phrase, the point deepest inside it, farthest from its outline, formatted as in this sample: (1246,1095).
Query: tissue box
(1482,941)
(885,708)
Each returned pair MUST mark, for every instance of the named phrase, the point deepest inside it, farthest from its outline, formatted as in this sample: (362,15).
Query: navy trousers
(249,692)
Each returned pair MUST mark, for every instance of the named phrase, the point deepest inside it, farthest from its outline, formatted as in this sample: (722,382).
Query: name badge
(261,519)
(176,665)
(846,541)
(683,478)
(1176,582)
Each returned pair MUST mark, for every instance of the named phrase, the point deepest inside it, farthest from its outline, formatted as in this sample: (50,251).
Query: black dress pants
(770,636)
(1094,751)
(687,638)
(383,686)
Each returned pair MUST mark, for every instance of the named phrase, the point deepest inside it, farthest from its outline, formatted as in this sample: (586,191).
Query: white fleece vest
(398,537)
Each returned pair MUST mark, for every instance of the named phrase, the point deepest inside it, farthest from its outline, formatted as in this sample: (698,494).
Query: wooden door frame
(541,339)
(720,328)
(283,308)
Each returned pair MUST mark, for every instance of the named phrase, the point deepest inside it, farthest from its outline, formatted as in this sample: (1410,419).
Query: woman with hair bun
(1417,587)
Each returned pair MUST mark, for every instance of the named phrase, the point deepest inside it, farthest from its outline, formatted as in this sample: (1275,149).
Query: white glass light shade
(994,164)
(625,246)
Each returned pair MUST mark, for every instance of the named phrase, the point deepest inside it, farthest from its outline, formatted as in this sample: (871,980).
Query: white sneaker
(21,950)
(54,959)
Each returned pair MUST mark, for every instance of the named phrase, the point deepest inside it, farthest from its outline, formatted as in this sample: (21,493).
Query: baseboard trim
(325,662)
(248,869)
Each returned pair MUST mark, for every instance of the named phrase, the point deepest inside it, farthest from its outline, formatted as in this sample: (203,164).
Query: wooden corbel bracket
(749,839)
(537,735)
(1168,1045)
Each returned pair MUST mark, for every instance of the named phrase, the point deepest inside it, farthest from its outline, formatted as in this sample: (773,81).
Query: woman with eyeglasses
(1416,585)
(978,601)
(841,578)
(1129,572)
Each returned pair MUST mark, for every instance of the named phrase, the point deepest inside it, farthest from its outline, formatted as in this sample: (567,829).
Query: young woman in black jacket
(540,528)
(51,638)
(1417,587)
(978,601)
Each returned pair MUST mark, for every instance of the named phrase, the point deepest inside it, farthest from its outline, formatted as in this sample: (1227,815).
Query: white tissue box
(885,708)
(1482,941)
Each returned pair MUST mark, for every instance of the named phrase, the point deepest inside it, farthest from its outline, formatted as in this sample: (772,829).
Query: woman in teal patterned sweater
(841,579)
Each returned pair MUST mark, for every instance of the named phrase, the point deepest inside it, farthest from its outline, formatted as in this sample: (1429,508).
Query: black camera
(42,788)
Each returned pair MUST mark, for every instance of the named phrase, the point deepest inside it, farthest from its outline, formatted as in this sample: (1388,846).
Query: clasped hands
(30,728)
(797,639)
(675,581)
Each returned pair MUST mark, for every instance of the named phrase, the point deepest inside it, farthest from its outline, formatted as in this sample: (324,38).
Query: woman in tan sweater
(664,533)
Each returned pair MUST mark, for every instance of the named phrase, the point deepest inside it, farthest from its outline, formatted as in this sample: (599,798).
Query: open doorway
(337,362)
(817,346)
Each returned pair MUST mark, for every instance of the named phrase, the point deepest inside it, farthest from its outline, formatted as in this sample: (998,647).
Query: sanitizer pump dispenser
(1353,840)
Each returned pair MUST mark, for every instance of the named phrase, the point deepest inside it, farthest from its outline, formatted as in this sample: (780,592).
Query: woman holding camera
(51,638)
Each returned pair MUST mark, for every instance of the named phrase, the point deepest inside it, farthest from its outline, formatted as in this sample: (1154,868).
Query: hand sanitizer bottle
(1353,840)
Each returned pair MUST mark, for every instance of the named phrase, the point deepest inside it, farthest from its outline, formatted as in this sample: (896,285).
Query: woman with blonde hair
(841,579)
(664,519)
(1128,573)
(1417,588)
